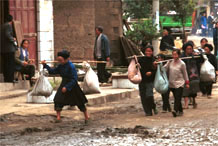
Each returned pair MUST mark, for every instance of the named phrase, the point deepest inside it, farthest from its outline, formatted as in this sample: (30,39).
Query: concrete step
(12,94)
(110,94)
(14,86)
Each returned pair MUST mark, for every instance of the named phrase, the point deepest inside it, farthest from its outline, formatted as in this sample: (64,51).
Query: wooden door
(25,12)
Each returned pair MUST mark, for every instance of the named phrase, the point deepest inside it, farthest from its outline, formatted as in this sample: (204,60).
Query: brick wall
(74,23)
(74,26)
(109,15)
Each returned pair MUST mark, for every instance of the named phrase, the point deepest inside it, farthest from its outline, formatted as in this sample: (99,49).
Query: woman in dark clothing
(207,86)
(148,71)
(69,92)
(193,70)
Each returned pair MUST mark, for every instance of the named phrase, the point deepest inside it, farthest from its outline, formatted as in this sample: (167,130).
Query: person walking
(69,92)
(210,24)
(146,86)
(102,53)
(215,38)
(178,77)
(8,48)
(193,70)
(23,63)
(207,86)
(204,24)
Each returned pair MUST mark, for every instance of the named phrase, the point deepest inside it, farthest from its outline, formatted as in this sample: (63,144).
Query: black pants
(147,101)
(177,93)
(166,103)
(58,107)
(103,75)
(215,49)
(8,66)
(28,70)
(206,87)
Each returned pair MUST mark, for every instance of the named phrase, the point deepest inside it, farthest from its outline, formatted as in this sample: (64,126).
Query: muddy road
(119,123)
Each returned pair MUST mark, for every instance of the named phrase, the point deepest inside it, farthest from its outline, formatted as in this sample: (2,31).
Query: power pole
(155,14)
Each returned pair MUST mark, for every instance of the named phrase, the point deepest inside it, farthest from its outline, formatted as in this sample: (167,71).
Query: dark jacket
(7,39)
(193,66)
(105,47)
(212,60)
(215,36)
(147,66)
(66,71)
(167,42)
(210,22)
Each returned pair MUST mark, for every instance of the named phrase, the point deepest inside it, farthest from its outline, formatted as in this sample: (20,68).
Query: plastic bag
(161,83)
(42,86)
(90,82)
(207,72)
(134,74)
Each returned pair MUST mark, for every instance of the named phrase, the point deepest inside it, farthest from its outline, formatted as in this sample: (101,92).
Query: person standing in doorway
(210,24)
(102,53)
(204,24)
(8,48)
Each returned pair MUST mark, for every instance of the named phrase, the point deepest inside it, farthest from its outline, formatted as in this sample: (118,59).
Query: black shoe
(148,115)
(169,110)
(174,113)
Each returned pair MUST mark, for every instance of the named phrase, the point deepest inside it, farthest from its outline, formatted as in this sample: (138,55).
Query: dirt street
(118,123)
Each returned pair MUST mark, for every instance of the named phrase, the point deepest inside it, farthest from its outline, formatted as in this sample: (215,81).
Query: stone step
(110,94)
(14,86)
(12,94)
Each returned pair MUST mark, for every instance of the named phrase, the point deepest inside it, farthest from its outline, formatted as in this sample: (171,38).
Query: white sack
(42,87)
(207,72)
(90,82)
(134,74)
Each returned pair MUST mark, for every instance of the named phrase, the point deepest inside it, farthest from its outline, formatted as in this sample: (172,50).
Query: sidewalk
(109,94)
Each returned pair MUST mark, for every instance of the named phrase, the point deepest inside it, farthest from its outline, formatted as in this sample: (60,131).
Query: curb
(101,99)
(13,95)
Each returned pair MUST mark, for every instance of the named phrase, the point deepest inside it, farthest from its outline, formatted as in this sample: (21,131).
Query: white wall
(45,30)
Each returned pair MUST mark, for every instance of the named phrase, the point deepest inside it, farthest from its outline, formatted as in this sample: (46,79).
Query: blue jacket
(19,58)
(204,21)
(105,47)
(66,71)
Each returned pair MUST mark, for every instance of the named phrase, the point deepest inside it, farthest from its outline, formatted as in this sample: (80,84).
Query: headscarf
(64,53)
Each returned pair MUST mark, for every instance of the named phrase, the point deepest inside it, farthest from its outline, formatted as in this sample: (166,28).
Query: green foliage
(143,31)
(136,9)
(184,8)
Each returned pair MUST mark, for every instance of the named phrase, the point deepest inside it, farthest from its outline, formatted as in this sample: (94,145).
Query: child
(207,86)
(146,86)
(69,92)
(177,79)
(165,96)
